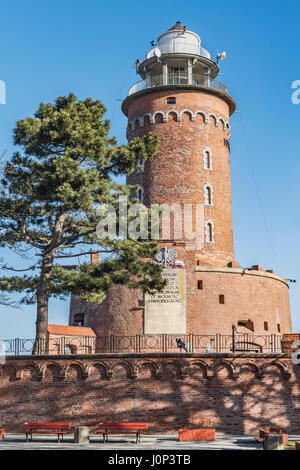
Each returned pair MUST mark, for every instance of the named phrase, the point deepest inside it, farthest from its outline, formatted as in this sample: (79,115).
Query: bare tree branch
(20,270)
(7,302)
(84,253)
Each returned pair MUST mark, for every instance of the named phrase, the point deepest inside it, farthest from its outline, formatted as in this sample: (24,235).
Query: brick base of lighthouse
(234,394)
(258,295)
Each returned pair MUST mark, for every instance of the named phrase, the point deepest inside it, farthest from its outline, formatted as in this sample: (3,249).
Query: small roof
(177,27)
(66,330)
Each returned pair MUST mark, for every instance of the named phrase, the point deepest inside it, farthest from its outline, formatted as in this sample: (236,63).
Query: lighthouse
(181,101)
(179,98)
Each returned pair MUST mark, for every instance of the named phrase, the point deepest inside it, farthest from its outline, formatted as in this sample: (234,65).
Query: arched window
(78,319)
(207,159)
(209,232)
(208,195)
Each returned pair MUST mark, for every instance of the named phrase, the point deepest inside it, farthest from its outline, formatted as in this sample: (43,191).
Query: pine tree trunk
(41,339)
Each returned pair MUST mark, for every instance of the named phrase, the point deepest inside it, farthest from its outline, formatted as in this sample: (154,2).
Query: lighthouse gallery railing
(177,79)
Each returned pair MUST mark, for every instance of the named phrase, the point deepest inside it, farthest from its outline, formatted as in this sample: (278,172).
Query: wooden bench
(260,439)
(122,428)
(46,428)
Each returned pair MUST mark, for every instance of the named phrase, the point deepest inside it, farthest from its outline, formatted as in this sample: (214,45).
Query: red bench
(260,439)
(122,428)
(2,433)
(46,428)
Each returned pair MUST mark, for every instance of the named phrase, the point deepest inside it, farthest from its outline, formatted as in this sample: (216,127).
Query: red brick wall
(170,392)
(119,314)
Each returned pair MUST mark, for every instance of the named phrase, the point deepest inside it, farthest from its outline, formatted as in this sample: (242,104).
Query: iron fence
(217,343)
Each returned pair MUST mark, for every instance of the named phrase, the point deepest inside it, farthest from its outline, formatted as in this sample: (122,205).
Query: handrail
(179,79)
(220,343)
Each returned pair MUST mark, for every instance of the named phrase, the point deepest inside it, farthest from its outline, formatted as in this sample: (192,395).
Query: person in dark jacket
(181,344)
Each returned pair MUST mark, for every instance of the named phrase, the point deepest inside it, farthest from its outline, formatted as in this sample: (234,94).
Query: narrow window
(178,76)
(200,285)
(207,159)
(222,299)
(140,195)
(209,232)
(171,100)
(208,195)
(266,326)
(278,328)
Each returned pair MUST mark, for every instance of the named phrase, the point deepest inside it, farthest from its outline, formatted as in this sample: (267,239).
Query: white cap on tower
(178,40)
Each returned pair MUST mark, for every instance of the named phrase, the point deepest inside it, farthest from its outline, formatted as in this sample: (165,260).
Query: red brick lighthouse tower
(181,101)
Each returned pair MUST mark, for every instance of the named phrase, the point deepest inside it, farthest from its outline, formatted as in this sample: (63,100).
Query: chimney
(257,268)
(94,258)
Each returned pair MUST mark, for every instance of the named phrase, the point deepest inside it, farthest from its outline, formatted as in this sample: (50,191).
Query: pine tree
(48,202)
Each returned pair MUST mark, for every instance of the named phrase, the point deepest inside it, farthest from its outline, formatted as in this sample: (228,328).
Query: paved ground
(152,443)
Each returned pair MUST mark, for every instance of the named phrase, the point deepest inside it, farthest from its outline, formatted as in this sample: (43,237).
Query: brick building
(63,339)
(181,101)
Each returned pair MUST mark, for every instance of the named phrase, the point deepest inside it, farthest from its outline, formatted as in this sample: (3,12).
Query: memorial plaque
(165,312)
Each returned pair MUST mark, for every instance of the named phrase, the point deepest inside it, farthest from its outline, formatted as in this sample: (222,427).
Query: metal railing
(53,346)
(243,343)
(197,343)
(177,79)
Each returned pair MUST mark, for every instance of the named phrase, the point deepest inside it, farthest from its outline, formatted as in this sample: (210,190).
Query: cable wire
(257,190)
(118,94)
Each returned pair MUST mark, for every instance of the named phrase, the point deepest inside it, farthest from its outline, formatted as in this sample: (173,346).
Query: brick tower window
(208,192)
(78,319)
(200,285)
(171,100)
(209,232)
(207,159)
(222,299)
(278,328)
(266,326)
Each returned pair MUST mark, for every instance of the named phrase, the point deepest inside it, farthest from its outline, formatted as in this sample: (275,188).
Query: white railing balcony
(177,79)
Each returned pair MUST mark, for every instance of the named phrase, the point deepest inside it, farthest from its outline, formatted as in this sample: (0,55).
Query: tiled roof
(70,330)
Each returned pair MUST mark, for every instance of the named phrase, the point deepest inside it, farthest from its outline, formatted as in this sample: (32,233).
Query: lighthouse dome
(178,40)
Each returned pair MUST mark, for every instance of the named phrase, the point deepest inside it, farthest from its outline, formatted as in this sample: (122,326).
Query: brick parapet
(233,393)
(182,362)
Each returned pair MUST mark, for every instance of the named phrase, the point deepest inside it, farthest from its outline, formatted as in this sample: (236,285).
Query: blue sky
(51,48)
